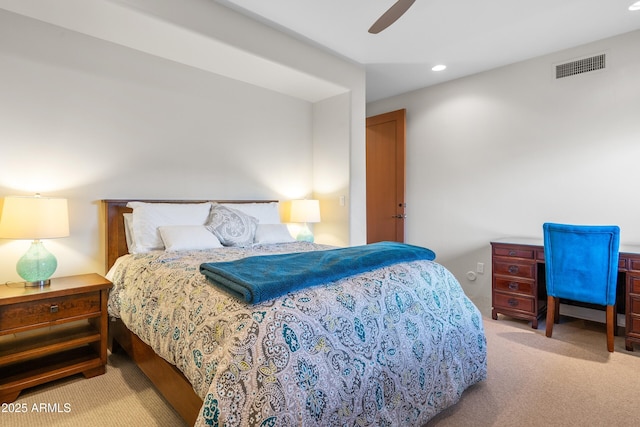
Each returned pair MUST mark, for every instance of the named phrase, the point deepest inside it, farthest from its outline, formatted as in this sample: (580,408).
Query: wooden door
(386,177)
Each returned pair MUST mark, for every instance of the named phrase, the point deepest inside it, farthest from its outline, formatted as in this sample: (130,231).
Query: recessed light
(439,67)
(635,6)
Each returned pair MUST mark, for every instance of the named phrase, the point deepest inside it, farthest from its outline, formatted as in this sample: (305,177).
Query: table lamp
(305,211)
(35,218)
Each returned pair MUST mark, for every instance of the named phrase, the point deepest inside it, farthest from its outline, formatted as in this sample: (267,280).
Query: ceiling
(469,36)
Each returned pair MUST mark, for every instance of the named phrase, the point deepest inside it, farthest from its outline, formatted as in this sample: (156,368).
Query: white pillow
(128,232)
(187,238)
(265,213)
(273,233)
(147,217)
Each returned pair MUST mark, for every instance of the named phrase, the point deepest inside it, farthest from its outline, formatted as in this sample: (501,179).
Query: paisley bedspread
(390,347)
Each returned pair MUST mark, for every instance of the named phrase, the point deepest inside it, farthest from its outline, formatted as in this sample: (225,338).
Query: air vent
(581,66)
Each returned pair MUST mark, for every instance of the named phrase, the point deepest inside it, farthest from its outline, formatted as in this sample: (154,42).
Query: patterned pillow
(231,227)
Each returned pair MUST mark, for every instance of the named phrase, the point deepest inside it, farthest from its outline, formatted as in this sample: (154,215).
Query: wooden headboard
(114,223)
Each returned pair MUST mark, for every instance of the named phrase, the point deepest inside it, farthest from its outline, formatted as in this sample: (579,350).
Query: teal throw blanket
(260,278)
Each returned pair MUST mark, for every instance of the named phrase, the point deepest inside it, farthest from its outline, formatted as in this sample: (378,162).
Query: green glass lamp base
(305,235)
(37,265)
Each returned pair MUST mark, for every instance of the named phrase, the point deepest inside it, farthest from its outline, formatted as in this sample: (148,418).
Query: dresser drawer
(29,314)
(512,302)
(634,284)
(514,251)
(515,268)
(514,285)
(634,327)
(633,263)
(634,305)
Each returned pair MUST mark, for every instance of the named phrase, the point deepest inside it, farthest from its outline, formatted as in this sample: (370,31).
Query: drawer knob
(512,253)
(53,308)
(513,286)
(512,302)
(513,269)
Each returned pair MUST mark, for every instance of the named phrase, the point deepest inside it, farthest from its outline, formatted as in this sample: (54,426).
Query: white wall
(499,153)
(87,119)
(331,159)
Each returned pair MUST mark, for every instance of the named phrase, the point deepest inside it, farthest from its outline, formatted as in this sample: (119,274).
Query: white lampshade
(34,218)
(305,211)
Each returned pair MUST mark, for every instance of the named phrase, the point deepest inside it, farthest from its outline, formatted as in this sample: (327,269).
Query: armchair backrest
(581,262)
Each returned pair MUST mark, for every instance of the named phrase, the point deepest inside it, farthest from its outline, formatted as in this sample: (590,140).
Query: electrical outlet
(480,268)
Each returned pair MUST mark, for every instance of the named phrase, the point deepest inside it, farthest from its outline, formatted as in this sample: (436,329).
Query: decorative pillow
(187,238)
(265,213)
(231,227)
(273,233)
(147,217)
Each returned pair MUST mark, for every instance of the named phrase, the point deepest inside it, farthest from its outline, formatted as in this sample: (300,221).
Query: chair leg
(552,302)
(611,314)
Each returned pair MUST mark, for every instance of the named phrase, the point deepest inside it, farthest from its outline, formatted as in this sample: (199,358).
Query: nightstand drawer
(30,314)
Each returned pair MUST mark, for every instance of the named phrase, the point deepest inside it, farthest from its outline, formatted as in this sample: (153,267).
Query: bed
(392,346)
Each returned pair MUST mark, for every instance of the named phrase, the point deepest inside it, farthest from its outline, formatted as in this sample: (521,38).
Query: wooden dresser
(52,332)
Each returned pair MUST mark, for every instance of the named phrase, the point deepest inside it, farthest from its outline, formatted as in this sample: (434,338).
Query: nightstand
(52,332)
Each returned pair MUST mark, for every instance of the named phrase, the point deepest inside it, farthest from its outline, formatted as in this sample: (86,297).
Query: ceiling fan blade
(391,15)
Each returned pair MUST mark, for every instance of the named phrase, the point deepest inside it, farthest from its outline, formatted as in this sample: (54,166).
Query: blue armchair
(581,264)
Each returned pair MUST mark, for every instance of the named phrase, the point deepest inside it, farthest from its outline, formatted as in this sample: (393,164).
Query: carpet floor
(567,380)
(122,397)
